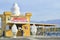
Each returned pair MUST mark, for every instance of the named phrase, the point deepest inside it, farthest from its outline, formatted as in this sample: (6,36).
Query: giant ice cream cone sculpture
(15,9)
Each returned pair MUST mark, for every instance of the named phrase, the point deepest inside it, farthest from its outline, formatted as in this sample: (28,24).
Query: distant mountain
(57,21)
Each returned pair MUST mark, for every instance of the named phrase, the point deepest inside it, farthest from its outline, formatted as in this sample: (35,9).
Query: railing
(52,33)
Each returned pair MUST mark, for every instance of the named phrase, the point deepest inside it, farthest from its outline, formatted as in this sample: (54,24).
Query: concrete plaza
(33,38)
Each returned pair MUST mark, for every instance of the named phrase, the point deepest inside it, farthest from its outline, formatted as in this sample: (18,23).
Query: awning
(18,22)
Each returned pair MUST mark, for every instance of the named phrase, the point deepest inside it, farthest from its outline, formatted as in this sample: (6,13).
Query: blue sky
(41,10)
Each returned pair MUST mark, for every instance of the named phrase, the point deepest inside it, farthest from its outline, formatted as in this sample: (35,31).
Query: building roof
(42,24)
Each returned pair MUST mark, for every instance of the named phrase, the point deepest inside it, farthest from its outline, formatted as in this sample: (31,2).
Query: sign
(19,19)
